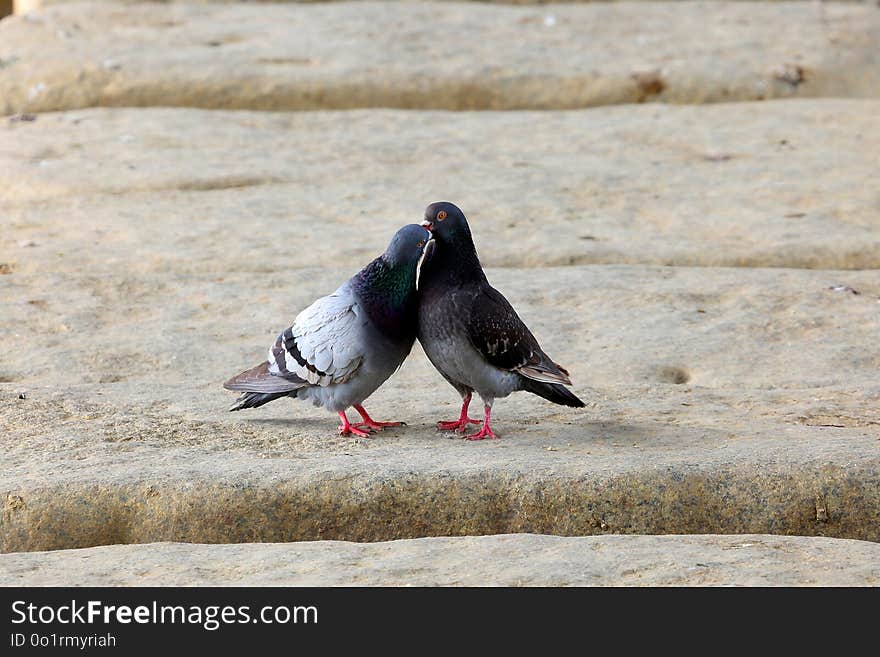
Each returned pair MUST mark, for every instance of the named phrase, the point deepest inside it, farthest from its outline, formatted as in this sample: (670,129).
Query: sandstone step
(388,54)
(508,560)
(719,401)
(23,6)
(783,184)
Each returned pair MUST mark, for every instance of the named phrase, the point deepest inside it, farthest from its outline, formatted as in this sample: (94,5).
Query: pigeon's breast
(444,338)
(460,362)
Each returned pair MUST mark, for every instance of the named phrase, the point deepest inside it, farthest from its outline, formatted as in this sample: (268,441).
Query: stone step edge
(835,500)
(509,559)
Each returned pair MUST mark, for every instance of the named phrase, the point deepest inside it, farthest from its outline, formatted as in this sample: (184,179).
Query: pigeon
(471,333)
(344,346)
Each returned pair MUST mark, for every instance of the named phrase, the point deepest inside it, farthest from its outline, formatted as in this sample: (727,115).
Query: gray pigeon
(471,333)
(345,345)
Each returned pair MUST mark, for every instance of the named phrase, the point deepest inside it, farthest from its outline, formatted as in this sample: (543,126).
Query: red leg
(346,427)
(461,423)
(486,431)
(370,423)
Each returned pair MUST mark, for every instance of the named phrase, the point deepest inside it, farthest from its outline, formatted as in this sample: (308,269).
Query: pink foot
(347,428)
(378,426)
(483,433)
(370,423)
(461,424)
(352,429)
(486,431)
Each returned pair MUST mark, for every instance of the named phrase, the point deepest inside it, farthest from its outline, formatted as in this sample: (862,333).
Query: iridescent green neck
(389,296)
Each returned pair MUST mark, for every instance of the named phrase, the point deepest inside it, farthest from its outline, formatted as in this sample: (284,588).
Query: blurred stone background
(679,198)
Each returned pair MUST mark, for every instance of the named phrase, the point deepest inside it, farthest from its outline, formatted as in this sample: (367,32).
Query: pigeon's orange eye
(441,215)
(421,243)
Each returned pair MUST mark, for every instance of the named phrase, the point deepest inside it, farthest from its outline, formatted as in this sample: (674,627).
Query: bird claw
(378,426)
(353,429)
(482,434)
(459,426)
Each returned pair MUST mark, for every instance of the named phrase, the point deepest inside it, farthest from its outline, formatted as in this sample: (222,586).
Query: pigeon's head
(445,221)
(407,246)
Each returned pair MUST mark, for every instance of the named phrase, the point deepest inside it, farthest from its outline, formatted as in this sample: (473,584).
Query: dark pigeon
(471,333)
(345,345)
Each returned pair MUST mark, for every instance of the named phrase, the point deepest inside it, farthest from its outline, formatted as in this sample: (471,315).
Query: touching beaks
(426,253)
(427,224)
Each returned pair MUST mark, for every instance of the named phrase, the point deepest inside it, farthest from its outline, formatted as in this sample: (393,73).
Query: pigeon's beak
(427,224)
(426,255)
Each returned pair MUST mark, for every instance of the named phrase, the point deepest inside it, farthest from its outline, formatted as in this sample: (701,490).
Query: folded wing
(324,346)
(497,332)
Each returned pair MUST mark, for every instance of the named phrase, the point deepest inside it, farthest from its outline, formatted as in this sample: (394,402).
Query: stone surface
(351,55)
(149,254)
(506,560)
(782,184)
(23,6)
(719,401)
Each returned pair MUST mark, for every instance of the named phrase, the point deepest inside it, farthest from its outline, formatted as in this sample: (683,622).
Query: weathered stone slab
(507,560)
(354,55)
(719,401)
(23,6)
(783,184)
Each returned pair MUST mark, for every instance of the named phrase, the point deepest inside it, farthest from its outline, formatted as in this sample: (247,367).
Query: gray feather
(335,354)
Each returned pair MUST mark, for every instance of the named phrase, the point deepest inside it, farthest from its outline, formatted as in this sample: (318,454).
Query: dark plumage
(344,346)
(471,333)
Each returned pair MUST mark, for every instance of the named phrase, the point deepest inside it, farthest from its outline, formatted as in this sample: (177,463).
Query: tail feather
(542,368)
(259,386)
(254,399)
(260,379)
(555,392)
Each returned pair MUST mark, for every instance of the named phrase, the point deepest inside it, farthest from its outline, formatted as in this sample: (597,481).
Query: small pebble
(23,118)
(36,90)
(843,288)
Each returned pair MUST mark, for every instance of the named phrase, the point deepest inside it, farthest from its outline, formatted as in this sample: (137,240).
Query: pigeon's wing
(324,345)
(497,332)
